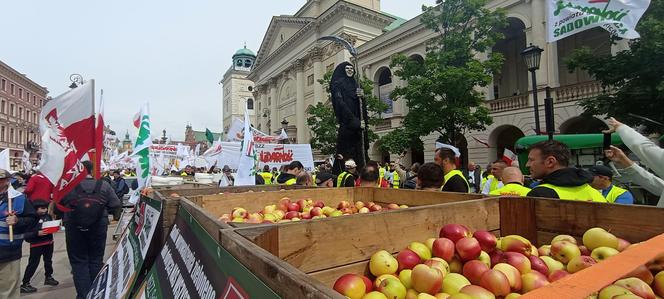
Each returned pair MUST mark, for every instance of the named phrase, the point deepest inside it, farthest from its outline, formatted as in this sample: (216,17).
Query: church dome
(244,52)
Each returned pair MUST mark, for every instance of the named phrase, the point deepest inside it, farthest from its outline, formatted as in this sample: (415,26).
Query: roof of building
(199,136)
(396,24)
(244,52)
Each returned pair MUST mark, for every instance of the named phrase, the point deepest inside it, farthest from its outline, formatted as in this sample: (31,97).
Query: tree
(323,124)
(442,92)
(635,77)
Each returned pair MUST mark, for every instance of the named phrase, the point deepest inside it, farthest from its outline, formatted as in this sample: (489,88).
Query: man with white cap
(347,178)
(454,179)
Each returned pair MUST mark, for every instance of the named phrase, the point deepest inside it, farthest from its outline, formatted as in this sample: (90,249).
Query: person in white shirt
(495,183)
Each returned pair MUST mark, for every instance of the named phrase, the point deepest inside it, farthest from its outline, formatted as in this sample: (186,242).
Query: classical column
(300,113)
(319,73)
(274,122)
(538,38)
(553,75)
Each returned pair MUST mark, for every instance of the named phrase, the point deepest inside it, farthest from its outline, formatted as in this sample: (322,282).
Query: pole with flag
(141,152)
(246,170)
(99,137)
(209,136)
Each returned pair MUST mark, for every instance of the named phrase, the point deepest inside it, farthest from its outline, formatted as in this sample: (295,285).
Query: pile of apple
(303,209)
(461,264)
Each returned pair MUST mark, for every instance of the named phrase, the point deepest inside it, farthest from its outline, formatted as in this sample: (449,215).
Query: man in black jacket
(20,217)
(41,245)
(121,187)
(86,243)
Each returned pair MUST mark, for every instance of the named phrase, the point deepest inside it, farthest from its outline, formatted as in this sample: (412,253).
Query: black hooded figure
(346,104)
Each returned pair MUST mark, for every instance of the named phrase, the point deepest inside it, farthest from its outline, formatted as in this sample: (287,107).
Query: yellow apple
(602,253)
(405,278)
(382,262)
(612,291)
(422,250)
(598,237)
(374,295)
(453,282)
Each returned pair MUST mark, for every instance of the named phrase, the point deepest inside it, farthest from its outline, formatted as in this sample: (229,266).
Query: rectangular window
(11,110)
(11,89)
(310,80)
(20,93)
(34,117)
(20,113)
(20,136)
(34,100)
(3,85)
(41,103)
(27,97)
(2,133)
(2,106)
(11,135)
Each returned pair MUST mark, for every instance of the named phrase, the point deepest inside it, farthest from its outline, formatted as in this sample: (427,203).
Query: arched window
(239,62)
(385,77)
(250,104)
(247,63)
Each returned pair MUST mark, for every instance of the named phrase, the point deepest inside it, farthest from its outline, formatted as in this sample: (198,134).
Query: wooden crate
(255,201)
(303,259)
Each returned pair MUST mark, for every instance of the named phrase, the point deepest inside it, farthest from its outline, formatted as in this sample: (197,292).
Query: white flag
(618,17)
(27,166)
(456,151)
(4,160)
(510,157)
(246,170)
(141,152)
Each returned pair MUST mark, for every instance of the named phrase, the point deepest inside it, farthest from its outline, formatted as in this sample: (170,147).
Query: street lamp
(75,78)
(531,57)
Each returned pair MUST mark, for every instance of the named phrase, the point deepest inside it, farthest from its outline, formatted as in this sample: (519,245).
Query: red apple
(319,204)
(579,263)
(454,232)
(304,203)
(343,204)
(439,263)
(487,240)
(292,214)
(496,257)
(305,215)
(558,274)
(623,244)
(346,211)
(476,292)
(468,248)
(637,286)
(518,260)
(351,285)
(643,273)
(407,259)
(584,250)
(393,206)
(316,211)
(496,282)
(456,266)
(443,248)
(513,275)
(375,208)
(283,204)
(293,206)
(426,279)
(473,270)
(537,264)
(369,204)
(368,283)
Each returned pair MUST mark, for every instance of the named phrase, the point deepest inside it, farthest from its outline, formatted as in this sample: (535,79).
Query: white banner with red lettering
(274,155)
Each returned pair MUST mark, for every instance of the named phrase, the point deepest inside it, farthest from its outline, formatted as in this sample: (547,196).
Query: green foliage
(323,124)
(441,93)
(636,76)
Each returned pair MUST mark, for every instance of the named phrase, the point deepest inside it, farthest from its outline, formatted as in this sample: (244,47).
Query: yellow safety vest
(381,172)
(484,180)
(494,184)
(395,180)
(291,181)
(511,189)
(341,179)
(452,173)
(614,193)
(267,177)
(581,193)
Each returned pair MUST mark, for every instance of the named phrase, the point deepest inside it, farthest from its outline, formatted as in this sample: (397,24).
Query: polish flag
(510,157)
(67,125)
(99,137)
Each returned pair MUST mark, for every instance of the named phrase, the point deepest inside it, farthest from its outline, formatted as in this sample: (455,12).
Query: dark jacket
(32,236)
(477,177)
(26,221)
(107,194)
(284,177)
(566,177)
(121,187)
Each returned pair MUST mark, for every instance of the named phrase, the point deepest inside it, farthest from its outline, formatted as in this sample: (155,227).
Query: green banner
(193,265)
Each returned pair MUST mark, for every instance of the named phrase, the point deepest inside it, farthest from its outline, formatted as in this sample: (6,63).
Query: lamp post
(531,56)
(75,78)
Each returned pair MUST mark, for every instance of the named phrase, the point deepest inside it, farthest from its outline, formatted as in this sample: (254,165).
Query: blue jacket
(27,218)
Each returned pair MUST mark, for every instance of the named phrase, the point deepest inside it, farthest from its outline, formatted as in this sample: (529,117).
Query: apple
(623,244)
(485,258)
(283,204)
(533,251)
(238,219)
(579,263)
(350,285)
(408,259)
(636,286)
(374,295)
(533,280)
(405,276)
(393,206)
(255,218)
(537,264)
(382,262)
(369,204)
(496,257)
(375,208)
(564,251)
(477,292)
(319,204)
(658,284)
(544,250)
(291,215)
(552,264)
(316,211)
(346,211)
(487,240)
(516,243)
(367,283)
(456,266)
(564,238)
(612,291)
(269,209)
(513,275)
(425,296)
(443,248)
(225,218)
(518,260)
(496,282)
(426,279)
(303,203)
(643,273)
(392,288)
(327,211)
(363,210)
(270,218)
(284,220)
(512,296)
(602,253)
(454,232)
(453,282)
(412,294)
(598,237)
(293,207)
(382,277)
(343,204)
(584,250)
(305,215)
(438,263)
(468,248)
(336,213)
(421,250)
(558,274)
(359,204)
(473,270)
(239,213)
(403,206)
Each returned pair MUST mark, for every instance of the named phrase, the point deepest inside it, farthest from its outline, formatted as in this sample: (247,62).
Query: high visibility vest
(18,203)
(267,177)
(512,189)
(381,172)
(494,184)
(484,180)
(580,193)
(291,181)
(614,193)
(395,180)
(452,173)
(341,179)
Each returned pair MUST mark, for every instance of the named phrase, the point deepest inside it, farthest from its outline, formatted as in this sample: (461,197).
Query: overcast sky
(169,53)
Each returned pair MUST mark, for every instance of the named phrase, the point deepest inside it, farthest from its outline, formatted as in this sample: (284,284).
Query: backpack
(88,207)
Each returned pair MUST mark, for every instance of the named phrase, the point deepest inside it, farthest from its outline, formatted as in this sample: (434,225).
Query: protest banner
(192,265)
(273,155)
(120,273)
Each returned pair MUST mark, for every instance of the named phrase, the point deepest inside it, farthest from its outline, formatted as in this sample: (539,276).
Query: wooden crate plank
(281,277)
(632,223)
(207,221)
(517,217)
(326,243)
(329,276)
(419,198)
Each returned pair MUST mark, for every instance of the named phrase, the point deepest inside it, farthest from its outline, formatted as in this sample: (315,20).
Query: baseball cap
(350,163)
(601,170)
(4,174)
(323,177)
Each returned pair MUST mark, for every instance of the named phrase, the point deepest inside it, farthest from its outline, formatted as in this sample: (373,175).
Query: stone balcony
(562,94)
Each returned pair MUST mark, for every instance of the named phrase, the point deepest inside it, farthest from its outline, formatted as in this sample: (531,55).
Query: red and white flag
(510,157)
(67,125)
(99,137)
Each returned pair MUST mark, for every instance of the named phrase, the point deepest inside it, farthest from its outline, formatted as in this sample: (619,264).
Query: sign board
(117,277)
(192,265)
(273,155)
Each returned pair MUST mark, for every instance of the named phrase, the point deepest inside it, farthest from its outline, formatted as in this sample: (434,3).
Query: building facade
(290,62)
(193,138)
(237,95)
(21,100)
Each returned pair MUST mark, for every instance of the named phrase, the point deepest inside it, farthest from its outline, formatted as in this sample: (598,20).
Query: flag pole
(94,131)
(9,210)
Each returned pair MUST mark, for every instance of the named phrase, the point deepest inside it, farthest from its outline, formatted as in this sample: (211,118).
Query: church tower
(237,90)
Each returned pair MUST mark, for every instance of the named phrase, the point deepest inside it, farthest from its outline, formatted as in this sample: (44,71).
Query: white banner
(273,155)
(618,17)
